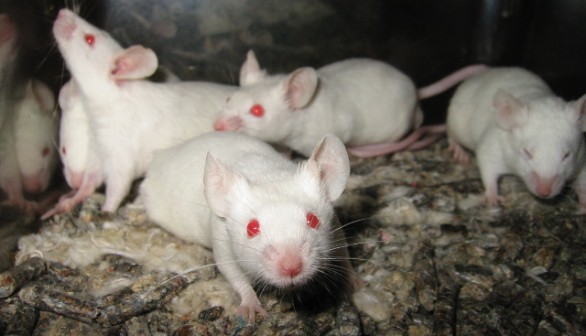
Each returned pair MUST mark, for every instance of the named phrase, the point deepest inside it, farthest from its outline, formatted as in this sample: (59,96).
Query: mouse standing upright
(368,104)
(515,124)
(269,221)
(130,117)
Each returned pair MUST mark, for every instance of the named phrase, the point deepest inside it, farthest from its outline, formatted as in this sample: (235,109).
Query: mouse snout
(228,124)
(545,187)
(290,264)
(64,24)
(74,179)
(33,184)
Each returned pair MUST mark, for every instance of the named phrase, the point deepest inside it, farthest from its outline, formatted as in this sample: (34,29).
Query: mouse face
(258,110)
(34,138)
(88,51)
(281,241)
(280,228)
(548,145)
(268,107)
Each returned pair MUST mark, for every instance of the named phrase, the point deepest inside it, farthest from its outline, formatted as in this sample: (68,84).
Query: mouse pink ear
(135,62)
(250,71)
(218,180)
(579,108)
(42,94)
(330,164)
(511,113)
(300,86)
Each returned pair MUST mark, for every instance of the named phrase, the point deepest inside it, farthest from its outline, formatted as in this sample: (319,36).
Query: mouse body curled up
(268,220)
(516,125)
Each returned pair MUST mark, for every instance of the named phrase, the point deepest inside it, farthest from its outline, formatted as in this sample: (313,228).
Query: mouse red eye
(253,228)
(312,220)
(64,150)
(527,154)
(257,110)
(46,151)
(566,156)
(90,39)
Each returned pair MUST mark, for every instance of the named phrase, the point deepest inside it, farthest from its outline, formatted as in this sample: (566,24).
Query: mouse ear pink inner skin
(579,108)
(511,113)
(135,62)
(300,87)
(329,161)
(218,181)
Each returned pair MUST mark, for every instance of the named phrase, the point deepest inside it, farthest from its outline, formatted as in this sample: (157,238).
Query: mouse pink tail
(451,80)
(420,138)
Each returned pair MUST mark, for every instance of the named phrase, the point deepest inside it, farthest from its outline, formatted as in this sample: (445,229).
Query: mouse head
(281,231)
(546,137)
(97,62)
(73,134)
(267,107)
(35,128)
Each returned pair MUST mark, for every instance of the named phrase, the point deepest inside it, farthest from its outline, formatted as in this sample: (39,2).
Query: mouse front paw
(249,308)
(492,201)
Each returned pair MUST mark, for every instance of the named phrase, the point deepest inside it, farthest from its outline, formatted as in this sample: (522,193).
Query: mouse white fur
(130,116)
(516,125)
(35,137)
(81,163)
(268,220)
(362,101)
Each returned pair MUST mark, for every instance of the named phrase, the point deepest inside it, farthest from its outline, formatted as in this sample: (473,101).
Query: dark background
(426,39)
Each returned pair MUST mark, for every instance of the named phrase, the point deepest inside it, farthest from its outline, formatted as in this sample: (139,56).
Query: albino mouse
(28,139)
(130,117)
(269,221)
(515,124)
(35,133)
(81,164)
(364,102)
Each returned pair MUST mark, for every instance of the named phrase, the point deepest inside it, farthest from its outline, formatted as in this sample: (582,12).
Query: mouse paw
(248,309)
(458,152)
(492,200)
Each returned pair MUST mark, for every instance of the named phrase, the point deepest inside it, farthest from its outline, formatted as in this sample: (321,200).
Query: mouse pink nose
(544,187)
(228,124)
(290,265)
(32,184)
(219,125)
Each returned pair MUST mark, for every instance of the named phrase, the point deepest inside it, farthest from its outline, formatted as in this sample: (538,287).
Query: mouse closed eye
(516,125)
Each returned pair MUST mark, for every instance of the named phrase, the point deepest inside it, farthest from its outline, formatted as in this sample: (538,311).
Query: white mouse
(81,163)
(35,137)
(28,157)
(269,221)
(516,125)
(364,102)
(130,117)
